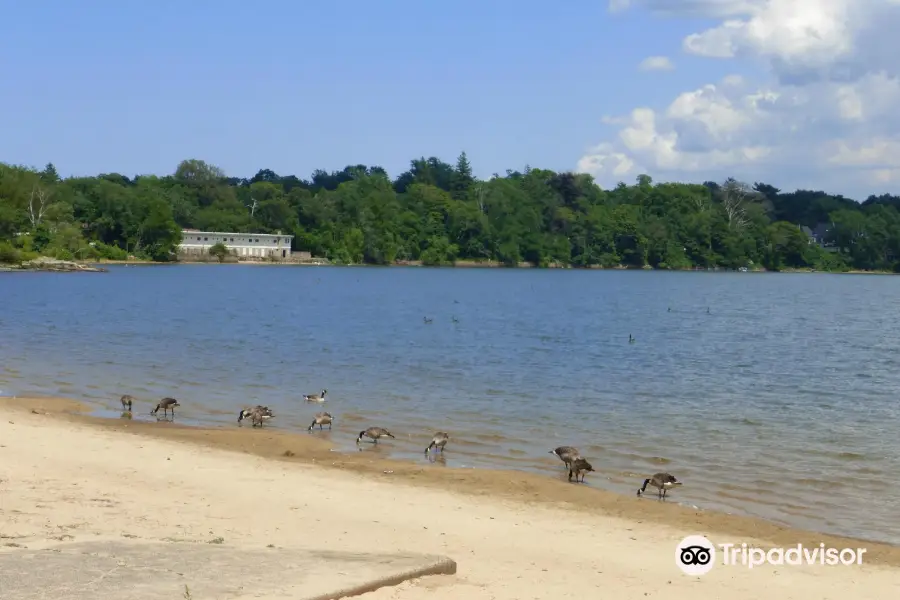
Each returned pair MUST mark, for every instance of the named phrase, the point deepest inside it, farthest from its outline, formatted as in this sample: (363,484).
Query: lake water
(780,402)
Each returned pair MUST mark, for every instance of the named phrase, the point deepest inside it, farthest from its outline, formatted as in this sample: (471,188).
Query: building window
(206,239)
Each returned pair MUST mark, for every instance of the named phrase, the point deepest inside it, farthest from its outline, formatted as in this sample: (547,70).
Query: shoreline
(89,265)
(521,488)
(472,264)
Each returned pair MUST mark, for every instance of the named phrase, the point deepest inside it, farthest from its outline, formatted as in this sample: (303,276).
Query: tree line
(439,213)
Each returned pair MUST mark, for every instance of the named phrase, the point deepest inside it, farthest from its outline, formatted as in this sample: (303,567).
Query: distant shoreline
(462,264)
(473,264)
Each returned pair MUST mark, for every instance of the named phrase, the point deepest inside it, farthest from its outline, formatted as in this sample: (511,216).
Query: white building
(242,245)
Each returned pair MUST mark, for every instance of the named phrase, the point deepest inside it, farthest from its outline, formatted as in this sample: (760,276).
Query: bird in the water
(127,402)
(166,404)
(257,415)
(455,320)
(315,397)
(374,433)
(670,309)
(707,310)
(322,418)
(631,339)
(566,454)
(439,440)
(662,481)
(579,466)
(427,320)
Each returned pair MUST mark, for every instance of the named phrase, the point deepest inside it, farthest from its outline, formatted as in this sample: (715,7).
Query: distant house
(242,245)
(809,234)
(819,234)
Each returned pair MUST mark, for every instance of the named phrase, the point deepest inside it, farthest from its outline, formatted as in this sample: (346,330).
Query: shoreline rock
(56,265)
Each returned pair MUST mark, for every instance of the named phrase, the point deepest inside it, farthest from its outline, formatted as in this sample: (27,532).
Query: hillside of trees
(438,213)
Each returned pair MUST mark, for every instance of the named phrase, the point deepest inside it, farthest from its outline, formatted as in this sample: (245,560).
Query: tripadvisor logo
(696,555)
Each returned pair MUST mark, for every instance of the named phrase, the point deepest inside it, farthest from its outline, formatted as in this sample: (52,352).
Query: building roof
(196,231)
(822,229)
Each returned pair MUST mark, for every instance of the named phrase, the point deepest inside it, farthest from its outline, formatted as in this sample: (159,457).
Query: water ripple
(779,403)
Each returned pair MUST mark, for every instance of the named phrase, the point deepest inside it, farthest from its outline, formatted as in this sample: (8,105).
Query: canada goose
(439,440)
(631,339)
(258,417)
(256,414)
(662,481)
(315,397)
(374,433)
(579,466)
(566,454)
(126,402)
(455,320)
(322,418)
(427,320)
(166,404)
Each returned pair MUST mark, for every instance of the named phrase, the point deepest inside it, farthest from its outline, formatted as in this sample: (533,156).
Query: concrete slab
(135,570)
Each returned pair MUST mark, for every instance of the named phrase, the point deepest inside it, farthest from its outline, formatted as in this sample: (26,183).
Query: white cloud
(656,63)
(619,5)
(824,117)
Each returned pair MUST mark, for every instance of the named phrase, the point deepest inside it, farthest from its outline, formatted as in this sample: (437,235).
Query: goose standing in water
(322,418)
(426,320)
(580,466)
(166,404)
(315,397)
(374,433)
(631,339)
(127,401)
(439,440)
(566,454)
(662,481)
(256,414)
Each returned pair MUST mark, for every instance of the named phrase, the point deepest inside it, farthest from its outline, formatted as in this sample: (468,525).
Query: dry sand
(68,477)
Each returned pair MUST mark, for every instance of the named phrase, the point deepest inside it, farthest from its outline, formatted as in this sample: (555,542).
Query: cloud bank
(825,117)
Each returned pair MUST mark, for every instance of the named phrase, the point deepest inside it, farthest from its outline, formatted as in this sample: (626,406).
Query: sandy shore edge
(503,485)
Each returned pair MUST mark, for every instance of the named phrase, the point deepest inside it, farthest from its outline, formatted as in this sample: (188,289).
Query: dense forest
(439,213)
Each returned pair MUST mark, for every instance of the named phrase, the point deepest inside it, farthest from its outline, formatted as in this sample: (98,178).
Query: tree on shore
(439,213)
(219,250)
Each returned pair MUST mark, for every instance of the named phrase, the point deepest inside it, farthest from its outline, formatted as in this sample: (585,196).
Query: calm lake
(770,395)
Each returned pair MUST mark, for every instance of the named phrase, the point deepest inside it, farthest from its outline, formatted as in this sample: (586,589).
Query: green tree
(440,213)
(219,250)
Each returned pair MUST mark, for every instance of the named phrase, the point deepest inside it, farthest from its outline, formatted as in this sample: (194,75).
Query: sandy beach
(67,477)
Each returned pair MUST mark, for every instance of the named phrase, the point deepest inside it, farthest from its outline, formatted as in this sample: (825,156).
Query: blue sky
(135,87)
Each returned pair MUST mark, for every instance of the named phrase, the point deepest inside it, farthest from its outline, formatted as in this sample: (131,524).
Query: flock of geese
(574,462)
(578,465)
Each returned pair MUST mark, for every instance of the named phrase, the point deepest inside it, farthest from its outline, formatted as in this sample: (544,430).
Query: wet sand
(514,535)
(501,484)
